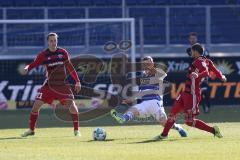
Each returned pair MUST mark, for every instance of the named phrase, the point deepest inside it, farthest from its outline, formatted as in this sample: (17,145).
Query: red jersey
(57,64)
(201,66)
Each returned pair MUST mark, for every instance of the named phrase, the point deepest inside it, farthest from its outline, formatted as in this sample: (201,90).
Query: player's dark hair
(52,34)
(197,47)
(193,34)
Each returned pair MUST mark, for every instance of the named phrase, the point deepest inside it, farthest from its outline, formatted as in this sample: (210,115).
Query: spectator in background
(205,102)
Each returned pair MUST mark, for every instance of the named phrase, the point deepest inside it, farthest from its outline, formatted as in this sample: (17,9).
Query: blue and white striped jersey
(151,87)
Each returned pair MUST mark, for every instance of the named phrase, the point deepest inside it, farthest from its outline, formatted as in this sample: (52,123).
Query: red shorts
(48,95)
(187,103)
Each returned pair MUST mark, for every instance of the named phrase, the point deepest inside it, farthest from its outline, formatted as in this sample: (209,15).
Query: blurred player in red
(57,63)
(205,99)
(188,101)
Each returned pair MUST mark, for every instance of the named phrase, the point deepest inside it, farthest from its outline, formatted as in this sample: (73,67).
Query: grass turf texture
(123,142)
(19,118)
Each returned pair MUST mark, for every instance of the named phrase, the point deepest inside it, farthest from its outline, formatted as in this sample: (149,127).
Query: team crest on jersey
(145,80)
(60,56)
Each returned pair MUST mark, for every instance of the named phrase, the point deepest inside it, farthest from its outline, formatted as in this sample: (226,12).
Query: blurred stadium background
(161,30)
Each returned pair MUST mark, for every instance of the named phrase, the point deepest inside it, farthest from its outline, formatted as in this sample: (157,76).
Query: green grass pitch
(123,142)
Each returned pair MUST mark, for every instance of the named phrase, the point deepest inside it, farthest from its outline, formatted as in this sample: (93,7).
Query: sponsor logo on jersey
(55,63)
(145,80)
(60,56)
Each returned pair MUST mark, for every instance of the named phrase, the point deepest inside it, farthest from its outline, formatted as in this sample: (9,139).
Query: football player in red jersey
(57,63)
(188,101)
(205,99)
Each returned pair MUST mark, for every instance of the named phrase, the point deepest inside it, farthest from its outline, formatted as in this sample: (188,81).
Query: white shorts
(151,108)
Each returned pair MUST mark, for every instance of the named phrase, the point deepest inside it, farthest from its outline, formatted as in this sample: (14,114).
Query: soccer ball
(99,134)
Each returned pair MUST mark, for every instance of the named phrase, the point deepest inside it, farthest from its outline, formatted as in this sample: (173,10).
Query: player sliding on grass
(188,101)
(152,99)
(57,63)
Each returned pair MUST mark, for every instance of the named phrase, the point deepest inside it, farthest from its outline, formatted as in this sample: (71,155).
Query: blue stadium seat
(1,14)
(140,2)
(100,34)
(1,27)
(25,35)
(191,2)
(114,3)
(147,12)
(105,12)
(100,2)
(1,37)
(161,2)
(153,22)
(71,38)
(154,35)
(84,2)
(225,24)
(25,14)
(71,34)
(217,38)
(54,3)
(131,2)
(76,13)
(176,2)
(145,2)
(58,13)
(22,3)
(66,13)
(7,3)
(72,3)
(38,3)
(183,21)
(213,2)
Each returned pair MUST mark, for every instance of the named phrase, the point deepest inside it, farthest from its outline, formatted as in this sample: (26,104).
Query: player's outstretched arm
(38,61)
(25,70)
(218,73)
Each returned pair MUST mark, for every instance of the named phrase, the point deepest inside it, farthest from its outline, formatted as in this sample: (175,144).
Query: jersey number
(39,95)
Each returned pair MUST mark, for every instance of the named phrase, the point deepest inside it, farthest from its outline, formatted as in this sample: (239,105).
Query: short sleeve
(161,74)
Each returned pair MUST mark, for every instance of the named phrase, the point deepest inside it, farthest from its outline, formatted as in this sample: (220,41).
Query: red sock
(167,127)
(33,120)
(203,126)
(75,121)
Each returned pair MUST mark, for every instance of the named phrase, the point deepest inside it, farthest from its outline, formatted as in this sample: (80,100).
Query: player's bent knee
(172,117)
(134,110)
(163,119)
(73,108)
(190,123)
(37,105)
(162,122)
(67,102)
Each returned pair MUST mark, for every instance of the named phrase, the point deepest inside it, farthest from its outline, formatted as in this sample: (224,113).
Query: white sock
(128,116)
